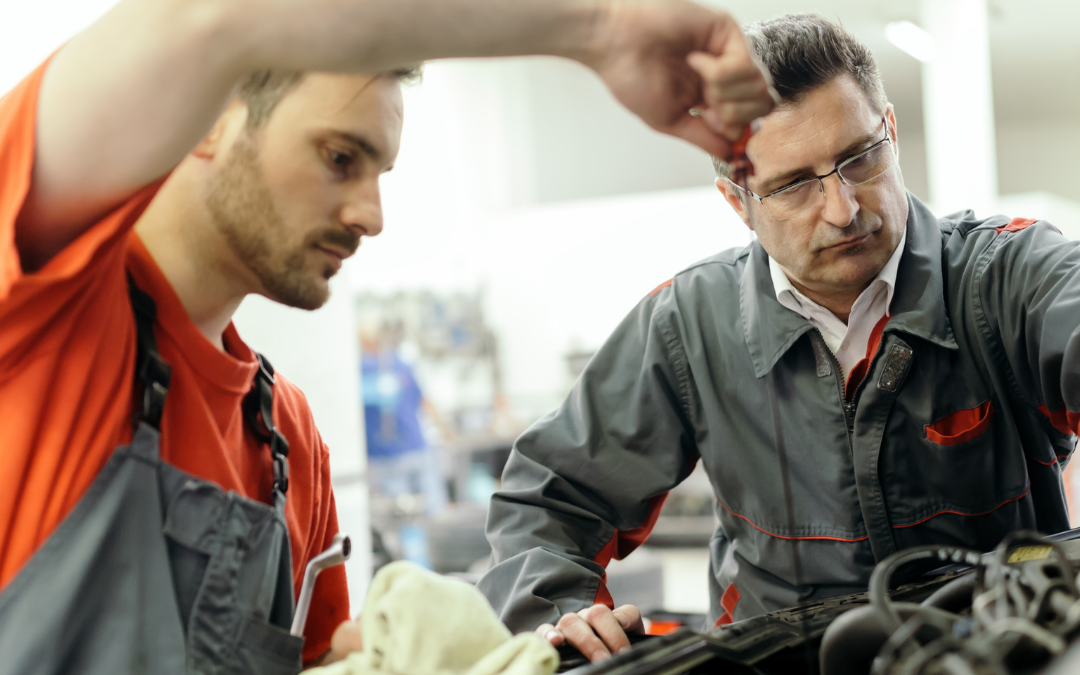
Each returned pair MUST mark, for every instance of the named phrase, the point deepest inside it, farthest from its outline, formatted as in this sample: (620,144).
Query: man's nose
(841,204)
(362,211)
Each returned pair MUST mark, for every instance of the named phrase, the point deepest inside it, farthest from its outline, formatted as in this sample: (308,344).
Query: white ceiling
(1035,54)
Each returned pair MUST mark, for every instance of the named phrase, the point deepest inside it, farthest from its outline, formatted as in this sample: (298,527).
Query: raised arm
(125,100)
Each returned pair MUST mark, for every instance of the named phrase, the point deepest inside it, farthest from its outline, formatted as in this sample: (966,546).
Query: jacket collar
(918,306)
(919,301)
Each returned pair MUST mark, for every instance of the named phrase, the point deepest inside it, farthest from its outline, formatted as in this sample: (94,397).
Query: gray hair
(803,52)
(262,90)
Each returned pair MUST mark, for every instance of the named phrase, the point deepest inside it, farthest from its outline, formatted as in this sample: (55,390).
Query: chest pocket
(951,458)
(961,426)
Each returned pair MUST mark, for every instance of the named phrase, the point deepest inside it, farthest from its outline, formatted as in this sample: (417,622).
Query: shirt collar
(918,306)
(788,295)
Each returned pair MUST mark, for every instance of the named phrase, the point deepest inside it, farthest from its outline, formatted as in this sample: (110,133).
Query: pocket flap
(961,426)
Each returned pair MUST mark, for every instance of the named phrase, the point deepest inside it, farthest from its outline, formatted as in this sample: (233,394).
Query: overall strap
(154,374)
(151,371)
(259,415)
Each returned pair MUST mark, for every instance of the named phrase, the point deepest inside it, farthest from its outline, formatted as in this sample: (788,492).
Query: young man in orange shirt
(135,172)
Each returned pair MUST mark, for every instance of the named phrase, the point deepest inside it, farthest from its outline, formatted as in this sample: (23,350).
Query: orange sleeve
(66,350)
(17,123)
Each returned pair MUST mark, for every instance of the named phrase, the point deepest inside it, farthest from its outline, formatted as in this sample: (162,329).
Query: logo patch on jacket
(1015,225)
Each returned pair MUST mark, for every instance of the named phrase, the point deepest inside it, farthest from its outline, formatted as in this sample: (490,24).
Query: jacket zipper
(849,409)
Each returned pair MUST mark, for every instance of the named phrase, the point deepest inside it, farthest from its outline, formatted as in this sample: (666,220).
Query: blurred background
(528,213)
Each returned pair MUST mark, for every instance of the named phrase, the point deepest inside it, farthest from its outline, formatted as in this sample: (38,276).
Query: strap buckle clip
(259,413)
(281,474)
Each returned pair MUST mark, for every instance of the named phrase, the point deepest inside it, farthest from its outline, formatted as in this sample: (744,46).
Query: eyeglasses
(794,199)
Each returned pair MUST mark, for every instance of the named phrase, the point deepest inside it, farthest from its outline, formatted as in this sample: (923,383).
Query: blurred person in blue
(401,461)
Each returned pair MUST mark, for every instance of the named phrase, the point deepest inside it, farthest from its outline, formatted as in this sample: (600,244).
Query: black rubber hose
(882,574)
(954,596)
(853,640)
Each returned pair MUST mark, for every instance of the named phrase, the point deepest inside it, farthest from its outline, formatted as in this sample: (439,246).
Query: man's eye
(339,160)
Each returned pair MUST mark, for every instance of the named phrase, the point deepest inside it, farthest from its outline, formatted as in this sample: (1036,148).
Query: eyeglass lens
(859,169)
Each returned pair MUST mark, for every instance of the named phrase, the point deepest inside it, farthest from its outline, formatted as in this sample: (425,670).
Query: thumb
(346,639)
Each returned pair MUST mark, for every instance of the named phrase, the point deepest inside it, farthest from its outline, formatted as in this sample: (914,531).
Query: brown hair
(262,90)
(803,52)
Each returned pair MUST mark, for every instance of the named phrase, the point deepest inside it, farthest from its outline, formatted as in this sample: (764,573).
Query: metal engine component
(1013,611)
(1023,612)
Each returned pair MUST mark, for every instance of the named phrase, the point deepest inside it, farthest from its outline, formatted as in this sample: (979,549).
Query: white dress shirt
(847,342)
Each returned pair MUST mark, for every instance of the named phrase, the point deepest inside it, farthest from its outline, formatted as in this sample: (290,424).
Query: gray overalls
(157,571)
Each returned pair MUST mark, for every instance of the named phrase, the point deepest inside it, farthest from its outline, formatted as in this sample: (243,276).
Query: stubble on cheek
(242,207)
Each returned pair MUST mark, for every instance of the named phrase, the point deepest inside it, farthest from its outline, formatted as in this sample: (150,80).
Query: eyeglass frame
(821,179)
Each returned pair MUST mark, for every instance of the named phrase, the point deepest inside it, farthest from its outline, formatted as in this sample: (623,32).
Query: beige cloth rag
(416,622)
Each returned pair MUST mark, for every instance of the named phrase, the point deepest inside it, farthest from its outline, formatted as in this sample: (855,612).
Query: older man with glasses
(864,378)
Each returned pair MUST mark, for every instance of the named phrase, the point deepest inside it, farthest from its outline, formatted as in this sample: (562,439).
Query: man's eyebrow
(853,148)
(776,182)
(364,144)
(783,179)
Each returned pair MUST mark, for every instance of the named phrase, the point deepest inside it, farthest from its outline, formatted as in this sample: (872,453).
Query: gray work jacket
(958,434)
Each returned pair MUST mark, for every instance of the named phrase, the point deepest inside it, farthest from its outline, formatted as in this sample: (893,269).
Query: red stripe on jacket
(958,513)
(660,287)
(855,377)
(622,544)
(728,600)
(780,536)
(1064,421)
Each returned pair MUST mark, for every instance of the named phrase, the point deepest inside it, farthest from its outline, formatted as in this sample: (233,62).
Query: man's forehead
(360,106)
(808,134)
(338,94)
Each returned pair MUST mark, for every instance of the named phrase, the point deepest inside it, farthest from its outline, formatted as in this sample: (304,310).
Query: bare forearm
(126,99)
(369,35)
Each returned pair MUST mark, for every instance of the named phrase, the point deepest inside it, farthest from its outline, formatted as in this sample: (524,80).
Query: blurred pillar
(958,107)
(319,352)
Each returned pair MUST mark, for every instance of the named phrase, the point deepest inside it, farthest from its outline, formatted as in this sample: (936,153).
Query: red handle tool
(742,167)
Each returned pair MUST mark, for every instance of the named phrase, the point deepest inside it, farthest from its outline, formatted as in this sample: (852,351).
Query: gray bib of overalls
(154,570)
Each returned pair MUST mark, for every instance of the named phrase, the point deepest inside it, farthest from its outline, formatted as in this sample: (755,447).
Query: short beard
(242,208)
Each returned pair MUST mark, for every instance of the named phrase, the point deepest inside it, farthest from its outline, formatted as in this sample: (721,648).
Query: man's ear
(224,131)
(734,198)
(890,121)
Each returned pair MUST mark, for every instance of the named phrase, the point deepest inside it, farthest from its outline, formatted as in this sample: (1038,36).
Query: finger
(580,635)
(738,89)
(724,81)
(630,619)
(731,117)
(723,84)
(695,130)
(551,634)
(346,639)
(727,71)
(727,38)
(605,624)
(731,52)
(731,132)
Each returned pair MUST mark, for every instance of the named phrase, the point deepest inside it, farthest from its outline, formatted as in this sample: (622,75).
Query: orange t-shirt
(67,360)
